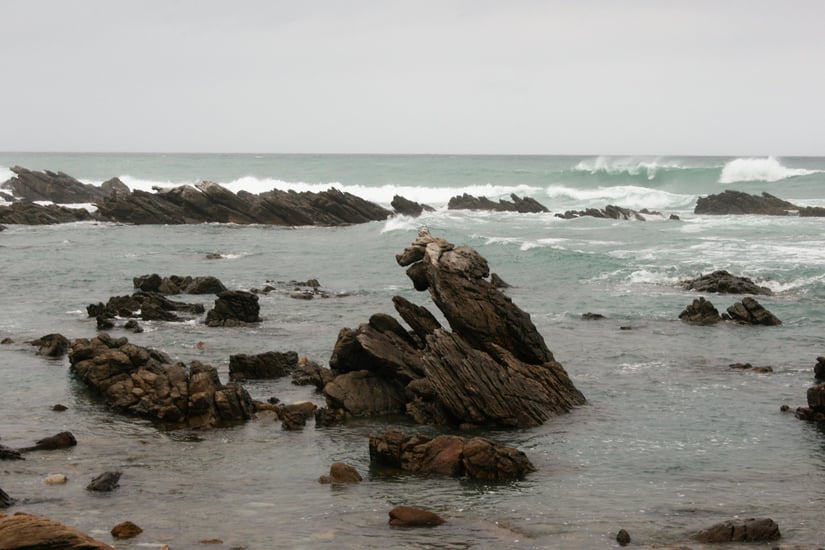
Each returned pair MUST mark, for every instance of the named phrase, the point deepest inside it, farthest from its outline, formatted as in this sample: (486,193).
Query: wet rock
(105,482)
(114,185)
(59,408)
(234,308)
(55,479)
(751,312)
(5,500)
(341,473)
(57,187)
(25,531)
(133,325)
(819,368)
(737,202)
(269,365)
(310,373)
(521,205)
(748,530)
(748,366)
(126,530)
(674,217)
(295,415)
(700,312)
(610,211)
(6,341)
(149,306)
(52,345)
(410,516)
(144,382)
(63,440)
(449,455)
(723,282)
(592,316)
(104,323)
(29,213)
(493,350)
(7,453)
(410,208)
(623,537)
(324,416)
(176,284)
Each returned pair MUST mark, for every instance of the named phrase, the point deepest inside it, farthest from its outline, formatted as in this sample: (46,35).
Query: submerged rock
(52,345)
(458,377)
(268,365)
(610,212)
(747,530)
(142,381)
(410,516)
(25,531)
(341,473)
(126,530)
(63,440)
(722,282)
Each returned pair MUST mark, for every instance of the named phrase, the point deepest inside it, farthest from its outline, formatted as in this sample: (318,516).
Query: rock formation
(610,211)
(722,282)
(57,187)
(746,312)
(524,205)
(737,202)
(52,345)
(29,213)
(142,381)
(25,531)
(492,369)
(448,455)
(700,312)
(271,364)
(234,308)
(176,284)
(149,306)
(410,208)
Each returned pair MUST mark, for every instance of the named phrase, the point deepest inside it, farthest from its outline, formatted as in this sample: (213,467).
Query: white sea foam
(400,223)
(5,174)
(627,196)
(627,165)
(760,169)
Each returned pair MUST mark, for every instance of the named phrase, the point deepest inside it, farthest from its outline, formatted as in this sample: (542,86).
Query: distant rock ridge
(738,202)
(57,187)
(523,205)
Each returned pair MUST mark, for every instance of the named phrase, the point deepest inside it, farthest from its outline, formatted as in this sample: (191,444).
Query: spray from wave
(627,166)
(760,169)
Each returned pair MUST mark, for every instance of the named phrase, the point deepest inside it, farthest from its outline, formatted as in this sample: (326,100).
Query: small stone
(59,408)
(126,530)
(784,408)
(107,481)
(55,479)
(341,473)
(6,341)
(410,516)
(623,537)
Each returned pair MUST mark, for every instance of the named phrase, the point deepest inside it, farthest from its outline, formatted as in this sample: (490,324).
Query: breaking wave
(627,196)
(760,169)
(628,166)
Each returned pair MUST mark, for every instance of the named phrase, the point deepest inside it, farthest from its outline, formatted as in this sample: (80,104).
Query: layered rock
(610,212)
(57,187)
(737,202)
(723,282)
(448,455)
(144,382)
(525,205)
(746,312)
(700,312)
(234,308)
(492,369)
(25,531)
(29,213)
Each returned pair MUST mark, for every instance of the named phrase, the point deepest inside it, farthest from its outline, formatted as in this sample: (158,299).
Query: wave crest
(627,196)
(628,165)
(760,169)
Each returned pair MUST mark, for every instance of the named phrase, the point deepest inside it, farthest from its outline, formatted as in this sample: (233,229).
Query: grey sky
(573,77)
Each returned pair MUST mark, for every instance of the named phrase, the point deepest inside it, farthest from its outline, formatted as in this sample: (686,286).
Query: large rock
(26,532)
(751,312)
(523,205)
(747,530)
(722,282)
(700,312)
(176,284)
(268,365)
(492,369)
(234,308)
(51,186)
(448,455)
(29,213)
(149,306)
(141,381)
(737,202)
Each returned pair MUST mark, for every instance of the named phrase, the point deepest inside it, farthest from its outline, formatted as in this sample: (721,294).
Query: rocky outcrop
(700,312)
(610,212)
(29,213)
(52,345)
(234,308)
(268,365)
(211,202)
(722,282)
(144,382)
(737,202)
(57,187)
(746,312)
(176,284)
(448,455)
(410,208)
(739,530)
(492,369)
(149,306)
(525,205)
(24,531)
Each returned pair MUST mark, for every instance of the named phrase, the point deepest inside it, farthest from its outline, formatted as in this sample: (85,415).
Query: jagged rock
(141,381)
(522,205)
(724,283)
(341,473)
(114,185)
(737,202)
(674,217)
(7,453)
(63,440)
(449,455)
(105,482)
(50,186)
(26,532)
(819,368)
(610,211)
(176,284)
(748,366)
(751,312)
(149,306)
(410,516)
(409,208)
(126,530)
(748,530)
(5,500)
(700,312)
(29,213)
(493,369)
(271,364)
(52,345)
(234,308)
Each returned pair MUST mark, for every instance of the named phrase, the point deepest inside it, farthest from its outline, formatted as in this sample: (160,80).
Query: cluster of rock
(149,306)
(815,395)
(737,202)
(492,369)
(610,212)
(722,282)
(176,284)
(145,382)
(525,205)
(448,455)
(739,530)
(747,312)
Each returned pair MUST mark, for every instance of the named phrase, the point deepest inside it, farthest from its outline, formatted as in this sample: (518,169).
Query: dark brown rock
(57,187)
(268,365)
(751,312)
(410,516)
(59,408)
(410,208)
(610,211)
(341,473)
(52,345)
(105,482)
(819,368)
(26,532)
(748,530)
(149,305)
(623,537)
(737,202)
(295,415)
(29,213)
(723,282)
(310,373)
(63,440)
(5,499)
(700,312)
(234,308)
(175,284)
(522,205)
(7,453)
(126,530)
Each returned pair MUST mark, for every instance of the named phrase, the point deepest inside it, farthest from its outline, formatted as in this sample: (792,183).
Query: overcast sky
(418,76)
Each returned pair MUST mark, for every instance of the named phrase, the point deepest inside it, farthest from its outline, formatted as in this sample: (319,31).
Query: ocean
(671,440)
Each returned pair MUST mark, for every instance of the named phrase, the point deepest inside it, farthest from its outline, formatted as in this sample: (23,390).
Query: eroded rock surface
(723,282)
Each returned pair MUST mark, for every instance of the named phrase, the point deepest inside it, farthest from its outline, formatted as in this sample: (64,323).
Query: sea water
(671,439)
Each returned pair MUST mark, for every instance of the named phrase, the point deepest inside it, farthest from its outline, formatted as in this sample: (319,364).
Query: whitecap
(760,169)
(400,223)
(631,166)
(627,196)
